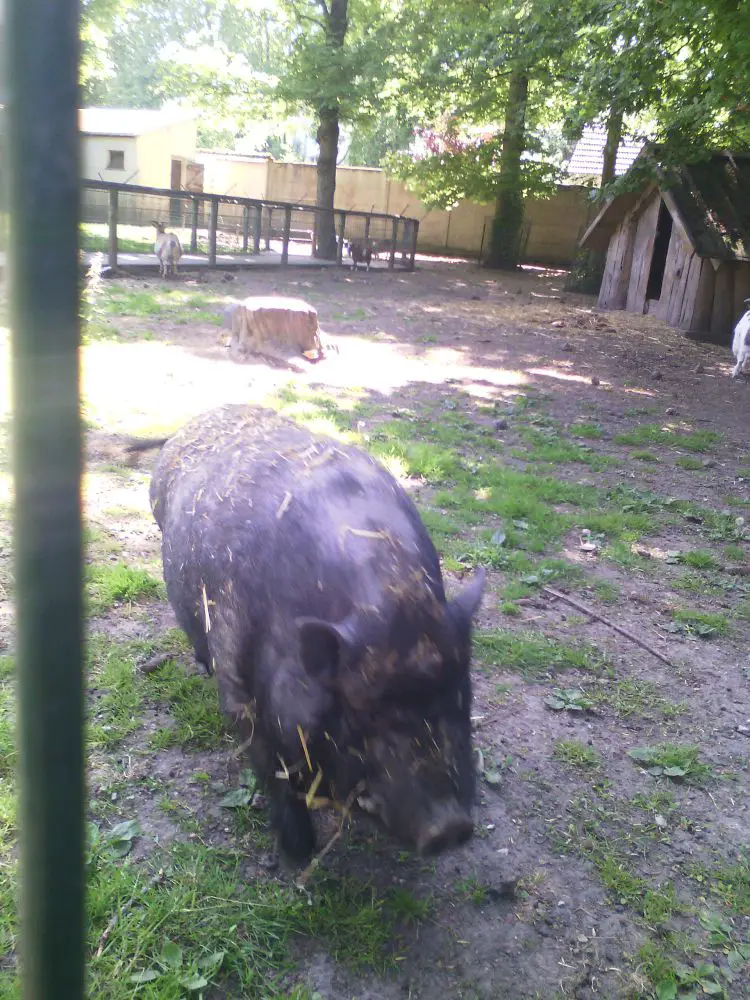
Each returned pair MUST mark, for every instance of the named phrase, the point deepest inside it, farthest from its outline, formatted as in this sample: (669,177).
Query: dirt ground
(589,875)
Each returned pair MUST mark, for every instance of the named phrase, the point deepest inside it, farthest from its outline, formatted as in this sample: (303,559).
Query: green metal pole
(41,51)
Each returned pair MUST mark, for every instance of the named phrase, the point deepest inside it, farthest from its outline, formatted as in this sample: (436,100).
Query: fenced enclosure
(221,229)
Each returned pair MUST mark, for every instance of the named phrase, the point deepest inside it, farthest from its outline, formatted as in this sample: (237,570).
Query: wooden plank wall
(741,288)
(722,312)
(643,248)
(614,287)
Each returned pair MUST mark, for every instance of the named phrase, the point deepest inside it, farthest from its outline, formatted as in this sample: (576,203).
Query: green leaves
(192,975)
(569,699)
(119,840)
(671,760)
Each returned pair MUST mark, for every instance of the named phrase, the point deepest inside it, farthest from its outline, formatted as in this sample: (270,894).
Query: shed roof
(587,158)
(710,199)
(129,122)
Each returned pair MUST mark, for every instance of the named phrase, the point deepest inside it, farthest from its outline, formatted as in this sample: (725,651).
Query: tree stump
(274,326)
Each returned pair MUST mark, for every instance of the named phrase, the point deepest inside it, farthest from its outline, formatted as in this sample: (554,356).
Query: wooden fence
(235,225)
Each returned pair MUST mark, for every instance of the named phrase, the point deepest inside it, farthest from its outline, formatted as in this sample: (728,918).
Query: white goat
(168,249)
(741,341)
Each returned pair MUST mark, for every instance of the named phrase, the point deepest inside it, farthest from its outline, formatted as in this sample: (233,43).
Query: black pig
(304,577)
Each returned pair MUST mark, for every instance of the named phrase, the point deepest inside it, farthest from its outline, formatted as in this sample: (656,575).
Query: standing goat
(167,248)
(361,251)
(741,341)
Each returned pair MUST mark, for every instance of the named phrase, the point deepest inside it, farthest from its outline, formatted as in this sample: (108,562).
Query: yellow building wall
(234,175)
(157,149)
(95,157)
(552,225)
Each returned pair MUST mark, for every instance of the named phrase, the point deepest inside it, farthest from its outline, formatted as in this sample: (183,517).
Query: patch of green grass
(484,553)
(179,304)
(420,459)
(627,888)
(550,447)
(408,908)
(701,623)
(7,739)
(660,905)
(116,713)
(515,589)
(130,238)
(471,890)
(576,754)
(173,932)
(617,525)
(734,553)
(672,760)
(438,524)
(608,593)
(534,655)
(354,923)
(640,411)
(644,456)
(730,882)
(689,463)
(658,801)
(621,554)
(699,583)
(107,585)
(698,559)
(674,980)
(509,608)
(633,697)
(194,707)
(696,441)
(590,431)
(353,314)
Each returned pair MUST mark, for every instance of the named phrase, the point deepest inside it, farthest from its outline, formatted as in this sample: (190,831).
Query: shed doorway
(659,255)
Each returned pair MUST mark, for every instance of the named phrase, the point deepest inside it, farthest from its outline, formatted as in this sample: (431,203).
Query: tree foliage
(483,94)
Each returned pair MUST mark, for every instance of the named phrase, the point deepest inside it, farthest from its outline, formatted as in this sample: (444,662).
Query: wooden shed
(679,248)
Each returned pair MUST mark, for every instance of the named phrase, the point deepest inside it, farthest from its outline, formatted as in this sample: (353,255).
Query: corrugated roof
(712,198)
(129,122)
(587,158)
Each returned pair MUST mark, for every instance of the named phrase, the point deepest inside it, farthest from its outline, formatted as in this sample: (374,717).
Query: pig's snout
(447,827)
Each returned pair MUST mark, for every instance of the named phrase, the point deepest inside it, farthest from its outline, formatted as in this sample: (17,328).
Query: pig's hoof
(296,833)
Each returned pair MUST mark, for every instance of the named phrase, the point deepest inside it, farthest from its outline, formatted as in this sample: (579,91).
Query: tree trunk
(614,135)
(328,140)
(507,226)
(588,267)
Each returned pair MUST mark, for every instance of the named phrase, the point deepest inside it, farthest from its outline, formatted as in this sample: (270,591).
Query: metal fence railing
(224,227)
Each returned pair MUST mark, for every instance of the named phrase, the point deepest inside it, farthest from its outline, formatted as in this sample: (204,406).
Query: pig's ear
(466,602)
(322,645)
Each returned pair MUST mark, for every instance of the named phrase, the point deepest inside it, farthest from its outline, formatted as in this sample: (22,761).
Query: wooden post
(392,256)
(256,228)
(194,227)
(40,51)
(245,228)
(368,220)
(212,229)
(342,228)
(112,220)
(268,231)
(415,233)
(285,237)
